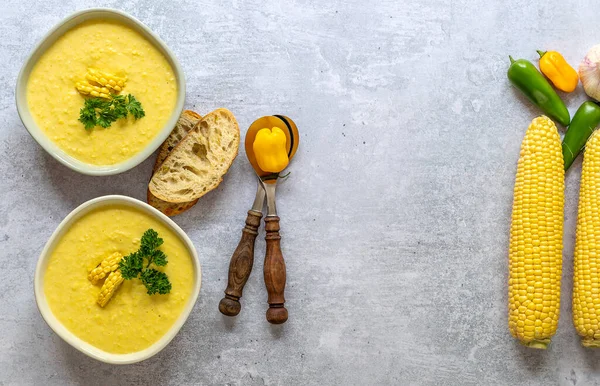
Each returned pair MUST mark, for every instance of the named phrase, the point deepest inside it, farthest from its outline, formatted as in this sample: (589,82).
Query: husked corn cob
(95,91)
(106,266)
(111,284)
(105,79)
(586,275)
(535,256)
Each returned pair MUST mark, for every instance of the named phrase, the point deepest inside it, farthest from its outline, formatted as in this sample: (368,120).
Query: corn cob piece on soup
(102,92)
(586,274)
(535,253)
(119,279)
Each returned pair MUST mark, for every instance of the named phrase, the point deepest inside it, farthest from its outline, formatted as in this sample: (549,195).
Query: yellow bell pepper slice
(561,74)
(270,150)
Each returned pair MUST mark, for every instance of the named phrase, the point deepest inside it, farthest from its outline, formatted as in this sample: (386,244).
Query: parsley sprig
(102,112)
(133,265)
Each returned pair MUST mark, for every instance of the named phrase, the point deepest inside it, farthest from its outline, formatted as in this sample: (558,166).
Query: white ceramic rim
(67,335)
(56,32)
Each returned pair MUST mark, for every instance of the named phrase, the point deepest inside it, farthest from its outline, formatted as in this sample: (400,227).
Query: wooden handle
(240,266)
(274,271)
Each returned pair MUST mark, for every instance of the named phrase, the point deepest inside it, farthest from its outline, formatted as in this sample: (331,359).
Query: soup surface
(132,320)
(113,48)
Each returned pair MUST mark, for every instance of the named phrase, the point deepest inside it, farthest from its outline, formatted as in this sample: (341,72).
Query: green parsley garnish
(134,107)
(102,112)
(132,265)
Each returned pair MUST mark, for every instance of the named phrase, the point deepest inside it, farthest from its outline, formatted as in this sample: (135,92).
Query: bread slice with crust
(198,163)
(186,123)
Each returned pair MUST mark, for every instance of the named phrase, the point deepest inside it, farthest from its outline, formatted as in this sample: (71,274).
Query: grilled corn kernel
(95,91)
(106,266)
(105,79)
(586,273)
(110,286)
(535,255)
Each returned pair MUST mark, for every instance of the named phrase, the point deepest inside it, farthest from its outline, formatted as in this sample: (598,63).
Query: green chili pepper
(524,76)
(584,122)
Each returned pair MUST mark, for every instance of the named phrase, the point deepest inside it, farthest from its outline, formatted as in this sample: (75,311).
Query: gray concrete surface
(395,218)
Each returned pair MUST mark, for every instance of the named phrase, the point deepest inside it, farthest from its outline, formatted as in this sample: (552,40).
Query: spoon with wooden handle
(274,267)
(242,259)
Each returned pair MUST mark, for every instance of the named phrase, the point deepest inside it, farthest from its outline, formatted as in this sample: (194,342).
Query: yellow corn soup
(113,48)
(132,320)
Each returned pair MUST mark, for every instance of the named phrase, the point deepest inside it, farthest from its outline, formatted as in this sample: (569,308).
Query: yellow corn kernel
(535,253)
(106,266)
(95,91)
(105,79)
(586,259)
(110,286)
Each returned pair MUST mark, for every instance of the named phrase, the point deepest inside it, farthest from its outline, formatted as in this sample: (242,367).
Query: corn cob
(105,79)
(106,266)
(586,275)
(535,256)
(95,91)
(110,286)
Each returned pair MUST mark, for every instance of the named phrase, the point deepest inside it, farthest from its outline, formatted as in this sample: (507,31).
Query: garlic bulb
(589,73)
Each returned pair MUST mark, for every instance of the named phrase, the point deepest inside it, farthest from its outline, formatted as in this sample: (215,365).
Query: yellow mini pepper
(560,73)
(270,150)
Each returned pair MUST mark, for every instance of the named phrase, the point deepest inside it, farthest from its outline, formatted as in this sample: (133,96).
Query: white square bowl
(71,338)
(55,33)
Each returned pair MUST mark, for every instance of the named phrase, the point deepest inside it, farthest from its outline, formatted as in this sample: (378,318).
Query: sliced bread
(186,122)
(198,163)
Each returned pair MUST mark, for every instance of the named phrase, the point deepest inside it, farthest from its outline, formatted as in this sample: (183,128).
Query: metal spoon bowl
(284,123)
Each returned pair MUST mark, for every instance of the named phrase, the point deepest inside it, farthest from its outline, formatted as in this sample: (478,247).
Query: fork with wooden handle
(243,258)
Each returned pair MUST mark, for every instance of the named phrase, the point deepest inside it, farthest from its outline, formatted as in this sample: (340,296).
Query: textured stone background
(395,218)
